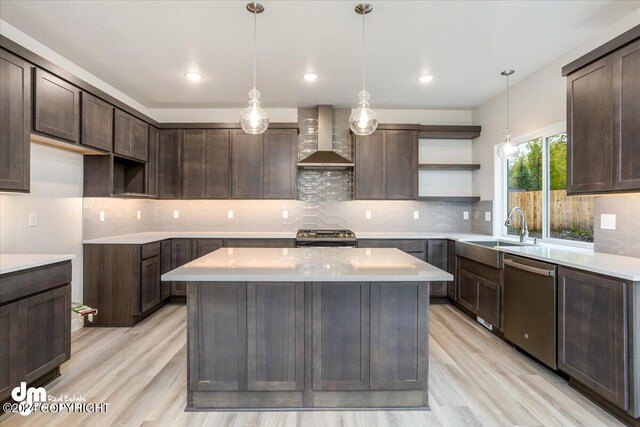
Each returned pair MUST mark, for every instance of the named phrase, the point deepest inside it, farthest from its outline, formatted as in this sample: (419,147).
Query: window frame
(503,207)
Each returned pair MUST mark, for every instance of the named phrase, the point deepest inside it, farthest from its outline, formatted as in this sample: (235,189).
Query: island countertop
(307,265)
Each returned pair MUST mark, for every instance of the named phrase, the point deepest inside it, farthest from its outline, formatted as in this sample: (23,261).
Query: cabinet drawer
(23,283)
(481,270)
(150,250)
(404,244)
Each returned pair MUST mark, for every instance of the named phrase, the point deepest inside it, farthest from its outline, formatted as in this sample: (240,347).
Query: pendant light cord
(363,61)
(255,20)
(507,101)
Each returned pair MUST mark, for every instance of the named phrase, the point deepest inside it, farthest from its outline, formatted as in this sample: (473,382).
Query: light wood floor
(474,379)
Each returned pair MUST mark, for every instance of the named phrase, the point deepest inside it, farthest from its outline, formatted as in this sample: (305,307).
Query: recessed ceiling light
(310,77)
(193,76)
(426,78)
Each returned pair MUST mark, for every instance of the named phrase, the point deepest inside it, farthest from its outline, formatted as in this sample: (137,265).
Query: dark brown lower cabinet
(206,246)
(489,301)
(467,290)
(35,325)
(479,290)
(150,289)
(259,243)
(452,287)
(594,334)
(165,266)
(181,253)
(438,255)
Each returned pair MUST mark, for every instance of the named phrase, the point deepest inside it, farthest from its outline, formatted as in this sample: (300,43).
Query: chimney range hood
(325,157)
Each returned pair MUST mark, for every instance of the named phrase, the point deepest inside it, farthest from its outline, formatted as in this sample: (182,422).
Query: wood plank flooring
(474,379)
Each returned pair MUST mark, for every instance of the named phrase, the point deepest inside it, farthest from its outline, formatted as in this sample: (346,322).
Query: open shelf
(128,177)
(449,166)
(450,198)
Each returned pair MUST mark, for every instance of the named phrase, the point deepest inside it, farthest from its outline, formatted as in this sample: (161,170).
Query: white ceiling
(143,48)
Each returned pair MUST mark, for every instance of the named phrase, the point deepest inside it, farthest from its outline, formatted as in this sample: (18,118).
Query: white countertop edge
(10,263)
(293,278)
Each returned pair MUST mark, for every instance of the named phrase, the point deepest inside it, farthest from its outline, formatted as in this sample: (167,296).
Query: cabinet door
(592,333)
(206,246)
(340,336)
(150,286)
(10,354)
(217,164)
(152,162)
(97,123)
(401,168)
(467,290)
(122,138)
(489,301)
(218,339)
(46,331)
(57,111)
(194,148)
(280,163)
(589,128)
(626,106)
(438,256)
(246,166)
(165,266)
(452,287)
(399,336)
(169,164)
(15,116)
(275,336)
(181,253)
(370,173)
(140,139)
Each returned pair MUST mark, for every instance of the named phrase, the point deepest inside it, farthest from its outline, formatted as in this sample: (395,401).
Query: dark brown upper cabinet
(205,164)
(247,166)
(280,163)
(626,116)
(169,174)
(97,123)
(131,136)
(15,116)
(386,165)
(152,162)
(57,107)
(603,106)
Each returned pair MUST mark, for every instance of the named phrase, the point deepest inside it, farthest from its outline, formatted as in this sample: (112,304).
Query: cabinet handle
(535,270)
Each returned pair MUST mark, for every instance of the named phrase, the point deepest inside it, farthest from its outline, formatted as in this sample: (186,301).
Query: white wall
(56,196)
(536,102)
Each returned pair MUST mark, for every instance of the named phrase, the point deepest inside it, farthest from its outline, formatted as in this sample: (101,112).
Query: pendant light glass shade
(507,149)
(363,120)
(254,119)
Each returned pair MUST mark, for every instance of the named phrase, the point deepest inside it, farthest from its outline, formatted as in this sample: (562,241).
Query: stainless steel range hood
(325,157)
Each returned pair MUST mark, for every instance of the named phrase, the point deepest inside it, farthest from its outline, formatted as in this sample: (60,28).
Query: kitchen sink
(484,251)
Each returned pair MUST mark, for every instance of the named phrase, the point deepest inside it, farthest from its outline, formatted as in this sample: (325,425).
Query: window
(536,181)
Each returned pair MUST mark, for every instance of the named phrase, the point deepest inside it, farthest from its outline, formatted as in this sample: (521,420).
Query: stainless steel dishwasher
(530,319)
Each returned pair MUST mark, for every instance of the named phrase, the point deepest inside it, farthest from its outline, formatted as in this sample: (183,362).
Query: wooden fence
(567,212)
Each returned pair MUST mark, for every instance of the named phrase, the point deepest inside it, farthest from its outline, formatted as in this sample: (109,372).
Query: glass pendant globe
(507,149)
(254,119)
(363,120)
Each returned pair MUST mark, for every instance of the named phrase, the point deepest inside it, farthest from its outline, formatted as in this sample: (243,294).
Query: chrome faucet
(524,231)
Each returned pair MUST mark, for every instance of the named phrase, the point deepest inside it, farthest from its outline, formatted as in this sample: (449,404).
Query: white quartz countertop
(307,265)
(622,267)
(155,236)
(16,262)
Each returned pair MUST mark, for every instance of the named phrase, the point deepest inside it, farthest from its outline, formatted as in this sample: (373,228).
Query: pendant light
(363,120)
(254,119)
(507,149)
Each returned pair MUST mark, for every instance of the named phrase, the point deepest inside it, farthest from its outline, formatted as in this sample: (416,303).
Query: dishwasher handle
(530,269)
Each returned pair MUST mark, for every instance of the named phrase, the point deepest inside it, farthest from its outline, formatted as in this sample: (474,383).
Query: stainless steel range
(326,238)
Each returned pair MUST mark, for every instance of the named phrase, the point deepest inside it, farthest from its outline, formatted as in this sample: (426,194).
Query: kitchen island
(307,328)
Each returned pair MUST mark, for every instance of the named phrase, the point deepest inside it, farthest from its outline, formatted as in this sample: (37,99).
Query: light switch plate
(487,216)
(416,214)
(33,219)
(230,214)
(285,214)
(176,214)
(367,214)
(465,215)
(102,216)
(608,221)
(138,215)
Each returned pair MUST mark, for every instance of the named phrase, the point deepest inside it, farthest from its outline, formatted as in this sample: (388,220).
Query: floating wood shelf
(449,198)
(448,166)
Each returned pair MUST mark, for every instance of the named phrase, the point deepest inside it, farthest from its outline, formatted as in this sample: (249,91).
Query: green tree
(534,164)
(558,161)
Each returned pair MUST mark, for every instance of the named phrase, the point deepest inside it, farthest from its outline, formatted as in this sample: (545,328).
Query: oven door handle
(530,269)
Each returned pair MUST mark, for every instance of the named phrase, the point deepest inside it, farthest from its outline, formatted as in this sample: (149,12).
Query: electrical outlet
(285,214)
(230,214)
(176,214)
(487,216)
(33,219)
(138,215)
(416,214)
(465,215)
(367,251)
(102,216)
(367,214)
(608,221)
